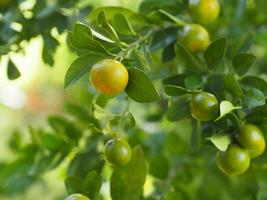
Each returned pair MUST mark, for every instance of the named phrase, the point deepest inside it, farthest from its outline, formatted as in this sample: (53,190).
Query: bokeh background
(39,91)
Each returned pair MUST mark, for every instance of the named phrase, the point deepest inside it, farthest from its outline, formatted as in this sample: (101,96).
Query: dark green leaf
(193,82)
(163,38)
(178,108)
(185,57)
(140,87)
(74,185)
(106,27)
(173,90)
(171,17)
(255,82)
(253,98)
(12,71)
(122,25)
(127,181)
(232,86)
(80,67)
(49,49)
(215,52)
(196,134)
(92,185)
(242,62)
(159,167)
(168,53)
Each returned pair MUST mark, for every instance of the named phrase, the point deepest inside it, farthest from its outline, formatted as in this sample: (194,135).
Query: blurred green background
(39,93)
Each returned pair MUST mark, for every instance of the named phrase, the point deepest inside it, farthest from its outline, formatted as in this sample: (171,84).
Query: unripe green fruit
(195,38)
(117,152)
(204,106)
(234,161)
(204,11)
(251,138)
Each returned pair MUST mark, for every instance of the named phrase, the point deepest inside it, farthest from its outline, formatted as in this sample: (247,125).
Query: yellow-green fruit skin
(77,197)
(117,152)
(251,138)
(109,77)
(234,161)
(204,106)
(195,38)
(204,11)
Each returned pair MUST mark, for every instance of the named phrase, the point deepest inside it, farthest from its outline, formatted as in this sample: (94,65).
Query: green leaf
(74,184)
(106,27)
(242,62)
(168,53)
(193,82)
(220,141)
(255,82)
(232,85)
(171,17)
(215,53)
(49,49)
(185,57)
(127,181)
(92,185)
(253,98)
(174,90)
(140,87)
(159,167)
(80,67)
(63,126)
(12,71)
(163,38)
(178,108)
(52,141)
(226,107)
(196,134)
(122,25)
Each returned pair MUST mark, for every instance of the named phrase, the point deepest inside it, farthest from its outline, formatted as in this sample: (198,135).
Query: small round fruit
(4,4)
(195,38)
(204,106)
(251,138)
(77,197)
(233,161)
(109,77)
(204,11)
(117,152)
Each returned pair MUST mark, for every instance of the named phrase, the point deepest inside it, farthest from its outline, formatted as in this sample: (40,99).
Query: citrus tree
(177,101)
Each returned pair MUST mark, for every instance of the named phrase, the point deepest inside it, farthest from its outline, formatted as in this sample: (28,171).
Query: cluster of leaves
(23,20)
(163,71)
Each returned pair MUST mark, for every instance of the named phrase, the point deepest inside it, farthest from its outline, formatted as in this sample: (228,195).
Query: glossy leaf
(140,87)
(80,67)
(232,85)
(242,63)
(215,53)
(122,25)
(127,181)
(185,57)
(253,98)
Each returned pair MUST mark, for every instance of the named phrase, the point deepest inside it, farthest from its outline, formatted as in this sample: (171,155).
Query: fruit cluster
(248,143)
(110,77)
